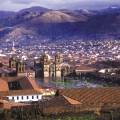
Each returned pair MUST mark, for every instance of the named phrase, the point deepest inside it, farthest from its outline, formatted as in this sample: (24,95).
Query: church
(47,67)
(20,68)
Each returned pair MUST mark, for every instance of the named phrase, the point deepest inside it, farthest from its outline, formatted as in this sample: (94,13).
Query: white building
(28,95)
(24,96)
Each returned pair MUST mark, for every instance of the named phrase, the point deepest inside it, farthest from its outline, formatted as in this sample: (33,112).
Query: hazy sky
(56,4)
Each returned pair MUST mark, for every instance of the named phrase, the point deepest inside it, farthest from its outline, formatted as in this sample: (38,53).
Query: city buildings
(19,87)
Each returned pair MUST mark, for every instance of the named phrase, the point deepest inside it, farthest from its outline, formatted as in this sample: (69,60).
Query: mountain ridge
(62,24)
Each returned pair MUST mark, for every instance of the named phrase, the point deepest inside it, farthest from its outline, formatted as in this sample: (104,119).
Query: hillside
(65,24)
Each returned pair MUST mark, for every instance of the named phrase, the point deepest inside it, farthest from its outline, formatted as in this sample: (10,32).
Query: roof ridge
(72,101)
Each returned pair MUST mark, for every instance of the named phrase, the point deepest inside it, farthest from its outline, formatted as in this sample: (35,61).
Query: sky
(16,5)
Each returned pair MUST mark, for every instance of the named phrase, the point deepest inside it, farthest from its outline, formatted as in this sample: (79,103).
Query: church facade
(49,67)
(19,66)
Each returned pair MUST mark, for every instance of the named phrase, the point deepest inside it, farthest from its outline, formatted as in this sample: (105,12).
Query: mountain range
(38,23)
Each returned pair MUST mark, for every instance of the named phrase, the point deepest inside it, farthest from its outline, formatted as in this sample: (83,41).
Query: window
(22,97)
(12,98)
(32,97)
(27,97)
(17,97)
(37,96)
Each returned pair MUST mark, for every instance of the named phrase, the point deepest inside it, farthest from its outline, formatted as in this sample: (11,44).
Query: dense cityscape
(84,52)
(59,64)
(51,67)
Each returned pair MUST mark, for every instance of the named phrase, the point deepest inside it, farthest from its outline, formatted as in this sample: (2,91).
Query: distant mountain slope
(6,14)
(56,17)
(11,18)
(37,22)
(34,9)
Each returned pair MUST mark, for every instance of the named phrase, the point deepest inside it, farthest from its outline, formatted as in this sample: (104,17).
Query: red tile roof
(3,85)
(83,100)
(94,95)
(28,86)
(9,104)
(19,92)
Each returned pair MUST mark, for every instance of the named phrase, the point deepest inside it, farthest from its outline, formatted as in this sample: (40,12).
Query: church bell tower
(20,68)
(12,63)
(58,61)
(45,65)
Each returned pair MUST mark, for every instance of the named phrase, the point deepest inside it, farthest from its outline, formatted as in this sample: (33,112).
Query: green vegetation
(84,117)
(34,113)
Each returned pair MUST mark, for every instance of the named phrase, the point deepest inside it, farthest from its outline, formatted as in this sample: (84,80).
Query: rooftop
(28,86)
(9,104)
(82,100)
(19,92)
(83,68)
(94,95)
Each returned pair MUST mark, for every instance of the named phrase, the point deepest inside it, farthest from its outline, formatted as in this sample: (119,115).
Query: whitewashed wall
(24,98)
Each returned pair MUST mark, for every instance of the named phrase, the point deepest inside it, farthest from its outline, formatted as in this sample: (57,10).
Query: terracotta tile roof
(16,105)
(3,85)
(94,95)
(19,92)
(82,100)
(28,86)
(9,104)
(35,86)
(25,82)
(72,101)
(4,104)
(11,79)
(56,101)
(54,105)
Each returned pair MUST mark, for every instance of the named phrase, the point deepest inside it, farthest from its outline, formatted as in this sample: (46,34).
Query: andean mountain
(37,23)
